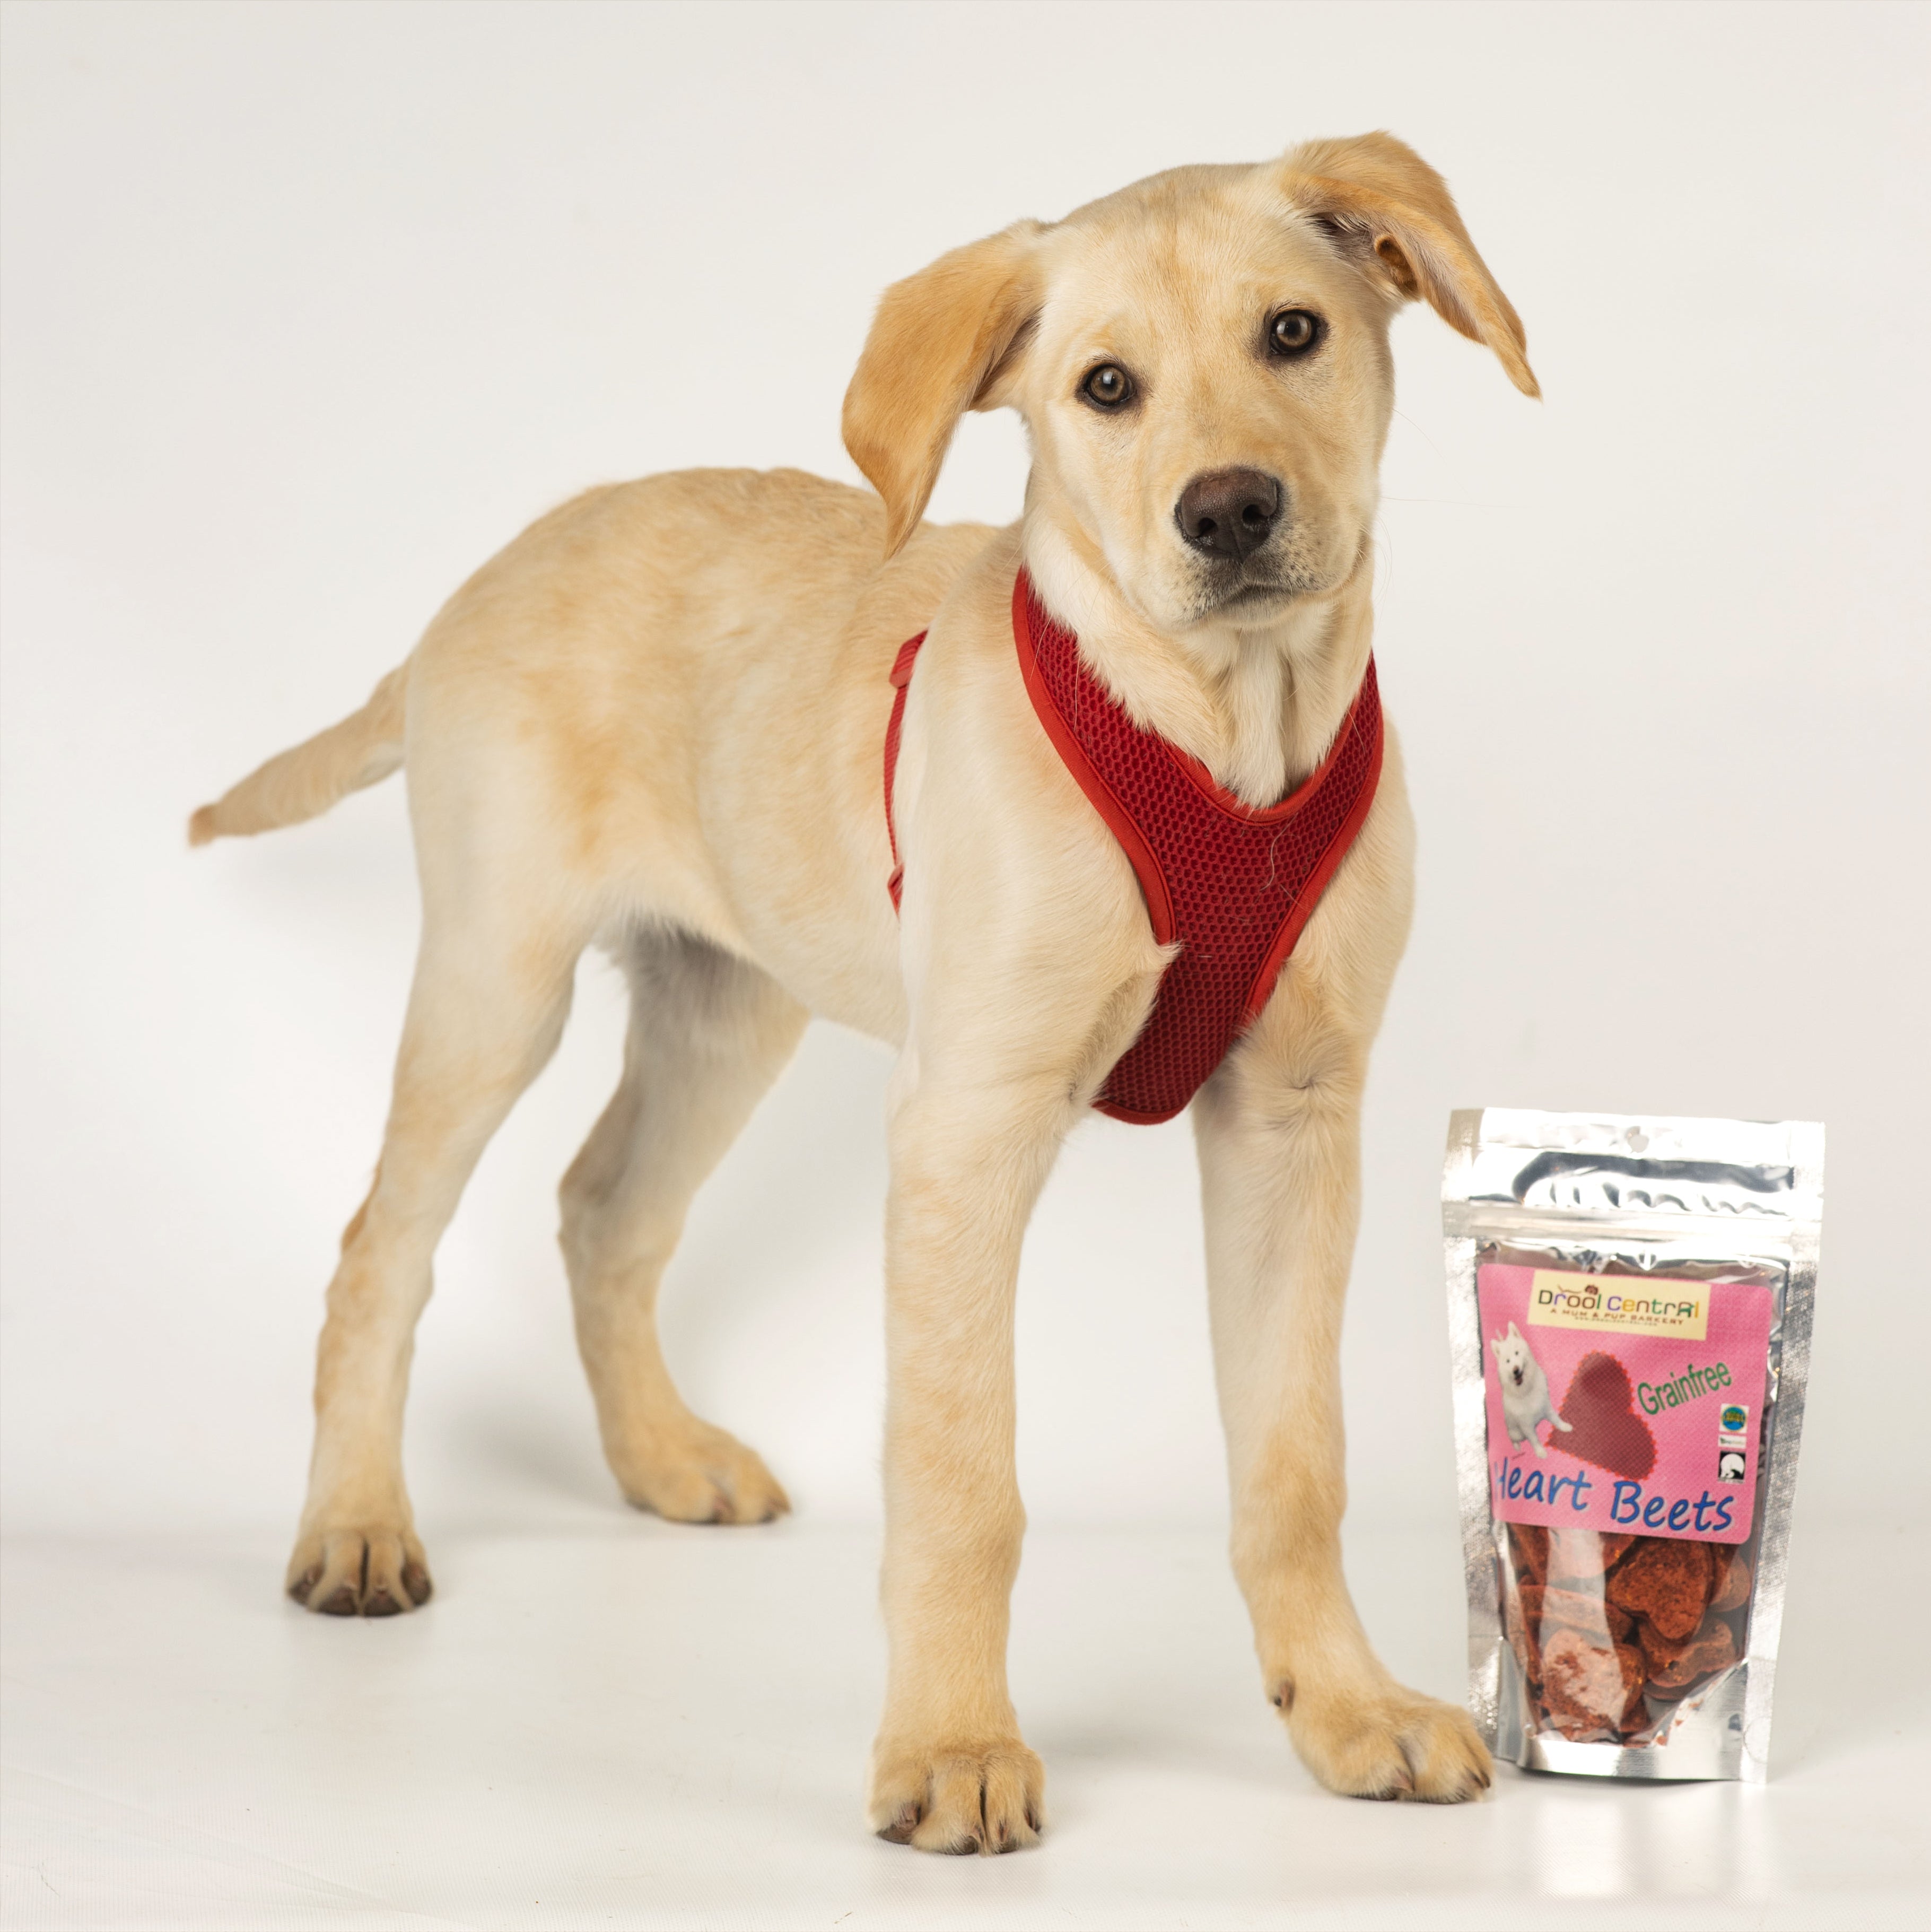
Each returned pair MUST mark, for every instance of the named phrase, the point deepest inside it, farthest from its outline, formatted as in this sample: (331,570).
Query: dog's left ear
(1394,215)
(943,341)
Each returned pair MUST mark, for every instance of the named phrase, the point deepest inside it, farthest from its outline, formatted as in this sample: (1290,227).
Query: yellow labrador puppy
(654,723)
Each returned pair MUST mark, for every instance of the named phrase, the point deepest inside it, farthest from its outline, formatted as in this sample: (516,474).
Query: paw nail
(902,1827)
(416,1581)
(382,1604)
(341,1602)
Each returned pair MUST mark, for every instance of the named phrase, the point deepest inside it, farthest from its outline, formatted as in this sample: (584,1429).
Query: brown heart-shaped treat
(1676,1666)
(1604,1427)
(1667,1581)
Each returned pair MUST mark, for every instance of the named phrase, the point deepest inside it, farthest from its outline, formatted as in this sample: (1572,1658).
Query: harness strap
(1229,886)
(901,679)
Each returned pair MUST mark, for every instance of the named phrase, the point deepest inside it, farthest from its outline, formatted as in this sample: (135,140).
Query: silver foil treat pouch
(1629,1305)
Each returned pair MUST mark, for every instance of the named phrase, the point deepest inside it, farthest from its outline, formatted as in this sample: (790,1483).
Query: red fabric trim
(1072,754)
(901,679)
(1115,1111)
(1216,795)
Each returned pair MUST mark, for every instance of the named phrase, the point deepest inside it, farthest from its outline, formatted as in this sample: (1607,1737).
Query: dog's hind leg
(491,993)
(708,1035)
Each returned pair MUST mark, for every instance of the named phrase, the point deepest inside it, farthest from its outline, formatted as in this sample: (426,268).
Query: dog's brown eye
(1109,385)
(1294,331)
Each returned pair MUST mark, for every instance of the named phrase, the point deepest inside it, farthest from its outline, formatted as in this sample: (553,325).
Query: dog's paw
(1388,1743)
(701,1474)
(365,1570)
(983,1795)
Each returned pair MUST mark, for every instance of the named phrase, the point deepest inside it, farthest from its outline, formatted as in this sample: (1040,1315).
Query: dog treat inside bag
(1630,1308)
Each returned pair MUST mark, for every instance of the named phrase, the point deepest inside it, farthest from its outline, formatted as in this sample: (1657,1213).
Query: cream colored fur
(654,723)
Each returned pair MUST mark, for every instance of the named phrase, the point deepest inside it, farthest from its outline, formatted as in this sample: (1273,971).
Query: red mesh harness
(1234,885)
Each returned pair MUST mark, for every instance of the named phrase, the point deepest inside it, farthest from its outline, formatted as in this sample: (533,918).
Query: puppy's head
(1202,360)
(1513,1359)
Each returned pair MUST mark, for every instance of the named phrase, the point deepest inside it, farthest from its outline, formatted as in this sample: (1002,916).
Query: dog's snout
(1228,513)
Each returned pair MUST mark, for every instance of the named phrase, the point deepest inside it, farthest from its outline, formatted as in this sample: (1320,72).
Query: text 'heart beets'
(1604,1427)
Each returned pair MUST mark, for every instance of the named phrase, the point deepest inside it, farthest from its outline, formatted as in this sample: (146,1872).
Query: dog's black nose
(1228,512)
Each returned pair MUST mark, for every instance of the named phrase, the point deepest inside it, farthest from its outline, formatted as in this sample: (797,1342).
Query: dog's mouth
(1515,1376)
(1245,596)
(1251,594)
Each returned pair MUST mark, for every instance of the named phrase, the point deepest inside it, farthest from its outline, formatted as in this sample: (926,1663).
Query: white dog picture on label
(1524,1391)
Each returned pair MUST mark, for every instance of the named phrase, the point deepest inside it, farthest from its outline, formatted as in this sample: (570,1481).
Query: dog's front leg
(950,1772)
(1279,1134)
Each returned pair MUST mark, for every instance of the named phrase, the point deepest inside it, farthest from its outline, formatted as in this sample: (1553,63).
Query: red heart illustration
(1604,1427)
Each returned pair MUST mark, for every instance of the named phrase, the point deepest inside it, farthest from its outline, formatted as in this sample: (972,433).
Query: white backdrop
(306,309)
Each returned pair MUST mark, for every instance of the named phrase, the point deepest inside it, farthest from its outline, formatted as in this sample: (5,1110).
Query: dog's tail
(304,782)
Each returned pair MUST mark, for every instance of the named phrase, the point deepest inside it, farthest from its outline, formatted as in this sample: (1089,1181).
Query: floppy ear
(940,344)
(1391,211)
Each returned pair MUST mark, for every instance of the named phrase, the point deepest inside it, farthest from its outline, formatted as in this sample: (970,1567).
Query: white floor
(642,1725)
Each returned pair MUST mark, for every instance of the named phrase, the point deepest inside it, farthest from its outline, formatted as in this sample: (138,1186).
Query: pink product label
(1620,1402)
